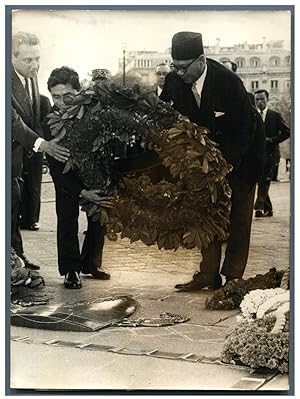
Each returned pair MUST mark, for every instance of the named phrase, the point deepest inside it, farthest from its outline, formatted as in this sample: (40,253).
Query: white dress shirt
(159,90)
(199,84)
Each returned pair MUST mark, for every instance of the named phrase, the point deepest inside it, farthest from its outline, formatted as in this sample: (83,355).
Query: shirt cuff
(37,144)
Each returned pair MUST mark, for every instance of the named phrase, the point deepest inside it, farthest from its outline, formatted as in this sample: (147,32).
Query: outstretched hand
(96,197)
(92,195)
(55,150)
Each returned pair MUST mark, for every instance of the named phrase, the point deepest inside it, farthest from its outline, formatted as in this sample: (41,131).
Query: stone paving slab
(112,371)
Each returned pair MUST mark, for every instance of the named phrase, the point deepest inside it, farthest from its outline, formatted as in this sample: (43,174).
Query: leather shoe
(72,280)
(268,214)
(28,264)
(199,282)
(259,213)
(34,226)
(101,275)
(98,274)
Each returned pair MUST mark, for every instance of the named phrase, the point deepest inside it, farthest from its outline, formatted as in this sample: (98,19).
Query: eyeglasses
(67,98)
(182,69)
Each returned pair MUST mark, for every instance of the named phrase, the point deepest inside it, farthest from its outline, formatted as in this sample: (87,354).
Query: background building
(266,65)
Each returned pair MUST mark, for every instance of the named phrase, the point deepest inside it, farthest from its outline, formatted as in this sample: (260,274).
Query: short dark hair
(63,75)
(233,66)
(263,91)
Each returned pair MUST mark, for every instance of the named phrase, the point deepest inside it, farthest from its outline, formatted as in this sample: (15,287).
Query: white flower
(254,299)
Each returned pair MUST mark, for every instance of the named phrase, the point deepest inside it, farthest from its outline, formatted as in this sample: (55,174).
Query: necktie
(262,115)
(196,94)
(27,88)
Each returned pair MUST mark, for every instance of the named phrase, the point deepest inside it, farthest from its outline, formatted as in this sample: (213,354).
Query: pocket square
(217,114)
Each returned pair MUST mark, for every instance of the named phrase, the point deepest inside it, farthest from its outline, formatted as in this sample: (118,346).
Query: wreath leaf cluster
(190,206)
(186,204)
(232,294)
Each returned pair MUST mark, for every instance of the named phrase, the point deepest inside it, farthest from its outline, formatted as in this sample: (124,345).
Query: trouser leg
(238,243)
(211,258)
(67,210)
(262,194)
(92,249)
(16,238)
(31,194)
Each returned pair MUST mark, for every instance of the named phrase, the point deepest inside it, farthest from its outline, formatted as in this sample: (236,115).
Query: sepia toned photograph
(150,174)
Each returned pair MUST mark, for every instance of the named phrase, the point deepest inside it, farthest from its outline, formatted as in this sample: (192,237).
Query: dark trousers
(238,243)
(263,200)
(16,238)
(69,256)
(31,191)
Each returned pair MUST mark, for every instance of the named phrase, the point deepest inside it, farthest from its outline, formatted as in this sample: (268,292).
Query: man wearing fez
(28,107)
(212,96)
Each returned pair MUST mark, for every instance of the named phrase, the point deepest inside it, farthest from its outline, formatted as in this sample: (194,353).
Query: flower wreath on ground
(261,338)
(162,180)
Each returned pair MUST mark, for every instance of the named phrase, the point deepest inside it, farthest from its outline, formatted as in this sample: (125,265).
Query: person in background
(28,107)
(26,62)
(232,66)
(63,85)
(161,71)
(212,96)
(276,132)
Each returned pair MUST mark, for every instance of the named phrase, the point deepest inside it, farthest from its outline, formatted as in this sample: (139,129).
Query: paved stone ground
(148,275)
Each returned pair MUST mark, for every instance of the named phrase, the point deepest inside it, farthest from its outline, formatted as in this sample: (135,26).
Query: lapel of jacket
(21,100)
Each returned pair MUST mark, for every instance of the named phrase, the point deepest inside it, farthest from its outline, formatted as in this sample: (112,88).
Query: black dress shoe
(101,275)
(28,264)
(34,226)
(72,280)
(268,214)
(199,282)
(259,213)
(97,274)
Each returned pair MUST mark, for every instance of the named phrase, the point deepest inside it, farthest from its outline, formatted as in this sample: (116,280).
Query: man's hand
(96,197)
(55,150)
(92,195)
(269,140)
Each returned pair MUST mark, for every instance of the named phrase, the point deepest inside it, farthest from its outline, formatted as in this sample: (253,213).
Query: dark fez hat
(186,45)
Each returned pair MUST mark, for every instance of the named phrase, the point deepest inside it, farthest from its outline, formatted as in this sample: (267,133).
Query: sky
(89,39)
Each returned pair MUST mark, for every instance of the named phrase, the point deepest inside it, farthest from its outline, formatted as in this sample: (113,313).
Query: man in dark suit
(213,96)
(63,85)
(26,129)
(276,132)
(161,71)
(25,60)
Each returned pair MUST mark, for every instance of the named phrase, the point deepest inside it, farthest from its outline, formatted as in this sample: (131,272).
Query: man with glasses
(212,96)
(63,85)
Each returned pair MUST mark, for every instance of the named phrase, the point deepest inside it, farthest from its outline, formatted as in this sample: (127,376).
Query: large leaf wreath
(163,180)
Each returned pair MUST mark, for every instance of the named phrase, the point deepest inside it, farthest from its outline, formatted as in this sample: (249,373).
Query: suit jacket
(26,121)
(278,131)
(70,182)
(226,111)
